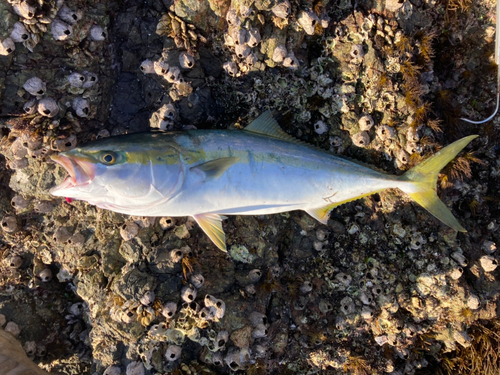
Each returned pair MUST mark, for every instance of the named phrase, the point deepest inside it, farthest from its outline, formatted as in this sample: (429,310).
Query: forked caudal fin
(425,175)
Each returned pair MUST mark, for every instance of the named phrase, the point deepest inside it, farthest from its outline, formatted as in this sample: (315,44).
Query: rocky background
(383,288)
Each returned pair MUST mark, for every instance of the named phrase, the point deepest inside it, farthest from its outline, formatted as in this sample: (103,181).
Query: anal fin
(212,226)
(322,214)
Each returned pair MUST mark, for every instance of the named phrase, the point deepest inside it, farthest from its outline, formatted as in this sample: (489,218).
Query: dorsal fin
(265,124)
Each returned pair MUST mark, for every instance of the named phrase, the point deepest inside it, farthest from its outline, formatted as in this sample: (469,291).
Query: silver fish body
(209,173)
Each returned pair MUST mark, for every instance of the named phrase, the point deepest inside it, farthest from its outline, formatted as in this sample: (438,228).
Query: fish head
(120,175)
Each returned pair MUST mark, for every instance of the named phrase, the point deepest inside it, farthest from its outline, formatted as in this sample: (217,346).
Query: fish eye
(108,157)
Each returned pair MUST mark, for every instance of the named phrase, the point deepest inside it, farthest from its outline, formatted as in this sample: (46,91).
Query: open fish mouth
(81,172)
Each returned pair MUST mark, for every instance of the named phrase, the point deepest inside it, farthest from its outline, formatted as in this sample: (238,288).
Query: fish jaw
(80,170)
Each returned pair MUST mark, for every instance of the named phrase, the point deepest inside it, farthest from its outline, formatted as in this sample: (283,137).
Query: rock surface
(382,288)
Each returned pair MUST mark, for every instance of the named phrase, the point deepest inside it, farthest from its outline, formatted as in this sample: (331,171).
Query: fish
(209,174)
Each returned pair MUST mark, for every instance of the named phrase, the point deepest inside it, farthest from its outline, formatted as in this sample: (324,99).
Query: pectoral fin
(322,213)
(213,169)
(212,226)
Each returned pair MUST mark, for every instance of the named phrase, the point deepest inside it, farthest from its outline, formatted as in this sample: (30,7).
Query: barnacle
(173,353)
(61,30)
(68,15)
(186,61)
(97,33)
(35,86)
(19,33)
(148,67)
(76,79)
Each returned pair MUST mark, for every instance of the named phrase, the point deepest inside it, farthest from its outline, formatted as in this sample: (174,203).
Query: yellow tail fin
(425,175)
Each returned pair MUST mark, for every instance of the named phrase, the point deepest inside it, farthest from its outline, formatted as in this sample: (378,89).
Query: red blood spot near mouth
(69,200)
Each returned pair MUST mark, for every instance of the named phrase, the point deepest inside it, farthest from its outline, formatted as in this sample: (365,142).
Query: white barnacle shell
(197,280)
(173,353)
(367,313)
(231,68)
(7,46)
(290,61)
(320,127)
(222,338)
(365,122)
(232,17)
(365,297)
(169,310)
(19,33)
(19,202)
(489,247)
(48,107)
(402,158)
(343,278)
(325,306)
(68,15)
(251,59)
(188,294)
(30,106)
(473,302)
(148,298)
(45,275)
(228,40)
(14,261)
(279,53)
(167,112)
(347,305)
(35,86)
(97,33)
(234,359)
(81,106)
(488,263)
(281,10)
(64,144)
(176,255)
(361,139)
(255,275)
(128,230)
(90,79)
(61,30)
(308,21)
(174,74)
(9,224)
(207,313)
(357,51)
(240,36)
(242,50)
(220,309)
(186,60)
(254,37)
(147,67)
(76,79)
(24,10)
(385,132)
